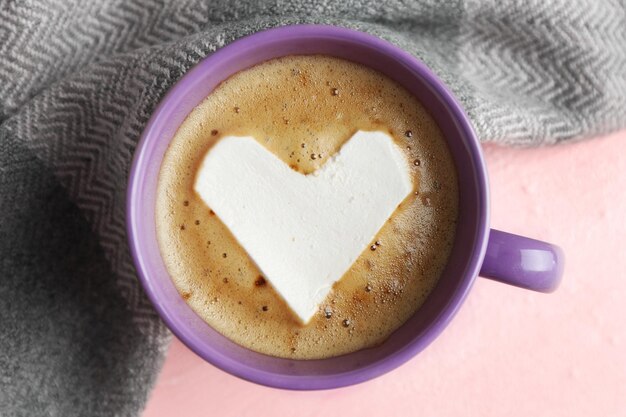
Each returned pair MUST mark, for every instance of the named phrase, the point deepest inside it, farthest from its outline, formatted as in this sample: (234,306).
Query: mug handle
(522,262)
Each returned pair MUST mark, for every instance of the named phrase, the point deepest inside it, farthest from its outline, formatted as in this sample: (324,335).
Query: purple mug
(477,249)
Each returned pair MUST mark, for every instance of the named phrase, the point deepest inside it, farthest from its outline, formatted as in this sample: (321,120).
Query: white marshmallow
(304,231)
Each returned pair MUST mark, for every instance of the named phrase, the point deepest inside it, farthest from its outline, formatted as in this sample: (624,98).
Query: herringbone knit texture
(78,81)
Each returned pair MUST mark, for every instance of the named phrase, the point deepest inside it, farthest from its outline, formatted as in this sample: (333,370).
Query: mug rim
(435,326)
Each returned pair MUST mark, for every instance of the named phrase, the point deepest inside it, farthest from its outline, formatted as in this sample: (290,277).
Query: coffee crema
(303,109)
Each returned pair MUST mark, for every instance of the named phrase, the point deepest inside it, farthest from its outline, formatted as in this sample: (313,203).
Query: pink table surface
(509,352)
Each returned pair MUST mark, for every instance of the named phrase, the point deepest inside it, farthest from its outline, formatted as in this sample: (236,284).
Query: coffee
(303,109)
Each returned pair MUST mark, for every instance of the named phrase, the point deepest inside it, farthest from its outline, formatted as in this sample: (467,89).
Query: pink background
(509,352)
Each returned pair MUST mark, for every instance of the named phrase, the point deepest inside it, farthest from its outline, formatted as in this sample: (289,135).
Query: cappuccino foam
(303,109)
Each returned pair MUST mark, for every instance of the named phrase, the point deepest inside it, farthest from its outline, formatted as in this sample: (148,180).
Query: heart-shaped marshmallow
(304,231)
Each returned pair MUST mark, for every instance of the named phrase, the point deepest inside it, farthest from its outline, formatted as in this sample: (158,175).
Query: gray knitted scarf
(78,81)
